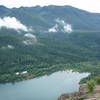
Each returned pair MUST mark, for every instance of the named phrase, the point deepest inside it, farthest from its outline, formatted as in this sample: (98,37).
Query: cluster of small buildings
(24,72)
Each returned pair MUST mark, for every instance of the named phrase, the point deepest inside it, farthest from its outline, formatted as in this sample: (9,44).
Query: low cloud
(60,21)
(13,23)
(31,36)
(61,26)
(27,42)
(8,47)
(53,29)
(66,27)
(30,39)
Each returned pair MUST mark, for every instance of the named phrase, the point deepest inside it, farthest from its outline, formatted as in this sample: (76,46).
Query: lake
(42,88)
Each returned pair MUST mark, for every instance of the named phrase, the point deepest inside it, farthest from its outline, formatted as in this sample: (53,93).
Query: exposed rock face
(82,94)
(75,95)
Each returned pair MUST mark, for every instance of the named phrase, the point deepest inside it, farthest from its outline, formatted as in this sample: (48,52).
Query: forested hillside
(41,18)
(46,37)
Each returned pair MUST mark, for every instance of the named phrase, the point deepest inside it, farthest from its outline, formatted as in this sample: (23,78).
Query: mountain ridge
(40,39)
(44,17)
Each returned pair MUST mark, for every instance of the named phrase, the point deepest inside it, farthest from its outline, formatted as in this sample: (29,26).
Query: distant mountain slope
(44,17)
(33,39)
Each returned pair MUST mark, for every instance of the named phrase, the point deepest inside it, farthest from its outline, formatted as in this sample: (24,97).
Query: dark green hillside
(53,50)
(41,18)
(74,48)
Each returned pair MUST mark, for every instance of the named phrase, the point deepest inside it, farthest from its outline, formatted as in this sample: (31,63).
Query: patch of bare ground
(95,95)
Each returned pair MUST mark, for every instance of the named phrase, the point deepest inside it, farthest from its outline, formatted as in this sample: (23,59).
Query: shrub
(90,85)
(97,79)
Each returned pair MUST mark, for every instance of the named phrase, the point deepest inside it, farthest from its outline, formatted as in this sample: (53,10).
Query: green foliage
(50,55)
(43,17)
(91,86)
(97,79)
(58,51)
(81,98)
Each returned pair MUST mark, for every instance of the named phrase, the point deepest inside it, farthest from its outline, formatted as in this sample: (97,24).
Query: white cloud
(30,39)
(28,42)
(29,35)
(53,29)
(61,26)
(13,23)
(8,47)
(68,28)
(60,21)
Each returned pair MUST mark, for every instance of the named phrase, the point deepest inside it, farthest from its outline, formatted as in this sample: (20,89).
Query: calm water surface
(42,88)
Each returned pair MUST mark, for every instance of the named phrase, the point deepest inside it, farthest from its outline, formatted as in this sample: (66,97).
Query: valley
(40,41)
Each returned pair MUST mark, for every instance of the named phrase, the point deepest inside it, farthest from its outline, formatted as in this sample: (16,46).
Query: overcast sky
(89,5)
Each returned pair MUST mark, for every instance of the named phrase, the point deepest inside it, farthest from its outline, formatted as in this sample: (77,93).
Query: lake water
(42,88)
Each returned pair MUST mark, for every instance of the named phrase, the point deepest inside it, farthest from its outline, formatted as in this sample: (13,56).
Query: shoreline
(74,95)
(27,76)
(76,67)
(82,94)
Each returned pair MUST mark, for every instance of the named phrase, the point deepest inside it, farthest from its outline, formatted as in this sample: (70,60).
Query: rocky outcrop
(82,94)
(75,95)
